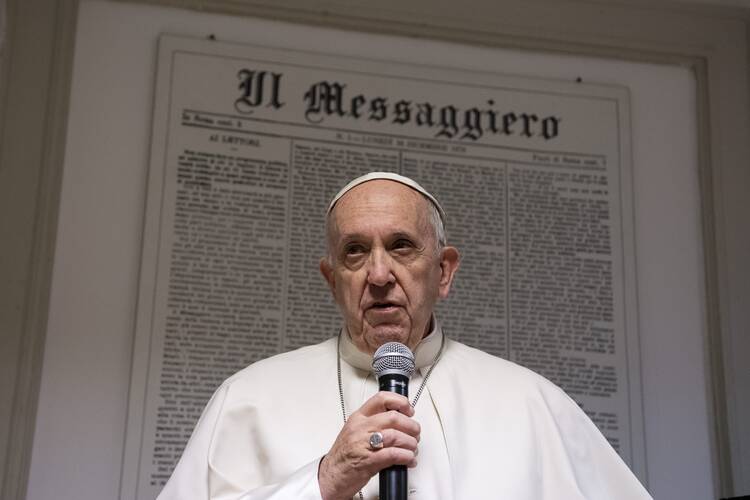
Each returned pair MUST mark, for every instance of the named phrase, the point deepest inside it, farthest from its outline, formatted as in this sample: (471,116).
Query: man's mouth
(383,306)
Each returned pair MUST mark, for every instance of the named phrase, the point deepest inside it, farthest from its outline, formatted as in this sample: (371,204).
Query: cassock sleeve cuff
(302,484)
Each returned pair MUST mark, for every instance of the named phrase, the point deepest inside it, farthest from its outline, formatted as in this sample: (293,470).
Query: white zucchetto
(390,176)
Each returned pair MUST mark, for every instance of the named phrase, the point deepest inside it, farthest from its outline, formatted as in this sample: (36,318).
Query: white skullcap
(390,176)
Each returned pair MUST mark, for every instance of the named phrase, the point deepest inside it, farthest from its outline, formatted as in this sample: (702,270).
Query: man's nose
(380,269)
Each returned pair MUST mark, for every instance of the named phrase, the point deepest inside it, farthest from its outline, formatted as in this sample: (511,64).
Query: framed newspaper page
(250,143)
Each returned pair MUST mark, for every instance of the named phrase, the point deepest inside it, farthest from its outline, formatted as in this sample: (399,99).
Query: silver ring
(376,440)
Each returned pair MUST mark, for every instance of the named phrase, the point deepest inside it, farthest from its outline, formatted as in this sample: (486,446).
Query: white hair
(437,224)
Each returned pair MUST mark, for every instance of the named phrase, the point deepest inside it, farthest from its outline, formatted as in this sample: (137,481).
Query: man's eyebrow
(357,236)
(403,235)
(350,237)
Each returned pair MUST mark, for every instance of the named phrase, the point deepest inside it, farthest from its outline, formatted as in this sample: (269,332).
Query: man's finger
(384,401)
(394,420)
(392,456)
(393,438)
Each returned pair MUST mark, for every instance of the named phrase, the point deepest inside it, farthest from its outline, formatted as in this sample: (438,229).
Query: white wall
(82,407)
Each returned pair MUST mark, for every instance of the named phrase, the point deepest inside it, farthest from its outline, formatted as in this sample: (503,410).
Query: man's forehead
(380,193)
(382,207)
(385,176)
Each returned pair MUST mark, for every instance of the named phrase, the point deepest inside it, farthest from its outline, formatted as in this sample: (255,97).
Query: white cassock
(490,430)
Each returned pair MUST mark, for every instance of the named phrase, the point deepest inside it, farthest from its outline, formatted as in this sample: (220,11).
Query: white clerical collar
(424,354)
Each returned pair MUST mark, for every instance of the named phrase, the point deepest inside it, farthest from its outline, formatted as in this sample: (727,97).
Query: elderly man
(299,425)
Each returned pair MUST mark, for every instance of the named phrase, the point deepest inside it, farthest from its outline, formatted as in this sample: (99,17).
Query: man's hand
(351,462)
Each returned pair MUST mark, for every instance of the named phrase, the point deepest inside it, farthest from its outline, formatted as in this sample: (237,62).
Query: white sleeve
(195,478)
(302,485)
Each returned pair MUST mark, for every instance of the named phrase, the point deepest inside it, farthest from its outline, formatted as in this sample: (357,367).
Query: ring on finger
(376,440)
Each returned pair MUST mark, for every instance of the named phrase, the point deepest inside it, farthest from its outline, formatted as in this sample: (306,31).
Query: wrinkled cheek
(350,309)
(350,297)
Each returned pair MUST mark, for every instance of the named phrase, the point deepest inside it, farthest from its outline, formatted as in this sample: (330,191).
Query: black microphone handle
(393,480)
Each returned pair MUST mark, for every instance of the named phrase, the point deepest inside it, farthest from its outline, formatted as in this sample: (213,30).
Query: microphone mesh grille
(393,357)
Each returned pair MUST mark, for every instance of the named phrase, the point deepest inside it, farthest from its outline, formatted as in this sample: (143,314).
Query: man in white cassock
(305,424)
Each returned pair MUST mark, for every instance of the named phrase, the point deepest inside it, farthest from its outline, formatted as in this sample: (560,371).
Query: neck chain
(416,396)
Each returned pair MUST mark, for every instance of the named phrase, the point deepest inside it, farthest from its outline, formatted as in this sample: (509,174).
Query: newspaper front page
(250,144)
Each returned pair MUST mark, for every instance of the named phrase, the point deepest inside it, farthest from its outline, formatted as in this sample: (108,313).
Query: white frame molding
(713,42)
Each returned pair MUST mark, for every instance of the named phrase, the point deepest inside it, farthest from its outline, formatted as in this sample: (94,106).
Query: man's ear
(449,262)
(327,271)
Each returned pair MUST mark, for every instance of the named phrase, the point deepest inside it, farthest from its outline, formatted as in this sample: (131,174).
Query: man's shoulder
(476,364)
(475,360)
(299,362)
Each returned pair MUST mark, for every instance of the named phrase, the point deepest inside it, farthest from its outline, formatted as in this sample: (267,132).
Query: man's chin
(382,335)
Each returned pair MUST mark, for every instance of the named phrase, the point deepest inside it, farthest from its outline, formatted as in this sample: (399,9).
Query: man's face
(385,271)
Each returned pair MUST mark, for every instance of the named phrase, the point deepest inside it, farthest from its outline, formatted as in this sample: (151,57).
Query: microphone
(393,364)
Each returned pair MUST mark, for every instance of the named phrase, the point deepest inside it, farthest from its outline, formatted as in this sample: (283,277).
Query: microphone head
(393,358)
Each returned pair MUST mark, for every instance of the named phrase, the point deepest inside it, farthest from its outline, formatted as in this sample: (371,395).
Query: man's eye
(354,250)
(402,244)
